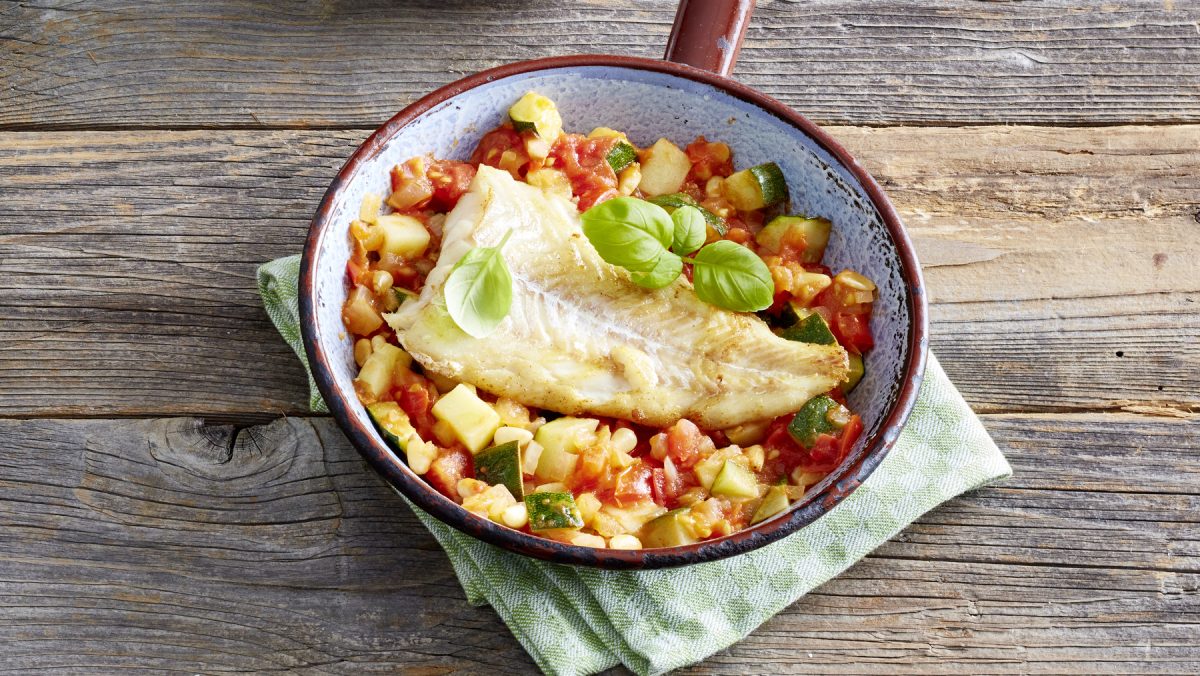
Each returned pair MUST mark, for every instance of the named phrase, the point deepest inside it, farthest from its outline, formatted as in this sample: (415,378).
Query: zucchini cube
(471,419)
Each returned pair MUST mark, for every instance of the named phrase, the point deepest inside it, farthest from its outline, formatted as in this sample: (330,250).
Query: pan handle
(708,33)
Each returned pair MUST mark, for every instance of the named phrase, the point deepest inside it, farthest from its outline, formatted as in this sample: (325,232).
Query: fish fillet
(581,338)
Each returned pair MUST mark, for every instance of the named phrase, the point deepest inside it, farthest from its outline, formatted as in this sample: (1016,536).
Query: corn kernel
(515,516)
(381,282)
(468,488)
(421,455)
(623,439)
(624,541)
(362,350)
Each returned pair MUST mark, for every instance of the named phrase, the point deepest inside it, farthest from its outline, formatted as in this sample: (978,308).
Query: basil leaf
(629,232)
(665,270)
(690,230)
(478,291)
(731,276)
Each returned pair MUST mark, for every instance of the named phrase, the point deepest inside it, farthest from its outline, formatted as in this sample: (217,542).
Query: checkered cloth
(583,620)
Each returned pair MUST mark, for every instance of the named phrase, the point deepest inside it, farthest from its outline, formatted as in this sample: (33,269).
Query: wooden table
(168,502)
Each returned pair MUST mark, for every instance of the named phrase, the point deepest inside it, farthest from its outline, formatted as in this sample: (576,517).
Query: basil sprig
(478,291)
(644,239)
(629,233)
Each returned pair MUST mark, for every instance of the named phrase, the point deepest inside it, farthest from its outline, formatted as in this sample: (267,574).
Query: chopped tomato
(451,465)
(850,434)
(685,442)
(583,161)
(450,180)
(850,325)
(709,159)
(823,456)
(417,400)
(411,188)
(658,483)
(494,143)
(633,484)
(792,246)
(853,332)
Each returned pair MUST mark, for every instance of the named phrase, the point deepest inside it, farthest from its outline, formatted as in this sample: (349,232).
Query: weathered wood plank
(1061,263)
(121,64)
(165,544)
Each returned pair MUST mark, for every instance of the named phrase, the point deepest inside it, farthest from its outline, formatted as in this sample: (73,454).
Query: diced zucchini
(747,433)
(813,420)
(669,530)
(548,511)
(706,470)
(774,502)
(538,114)
(675,200)
(397,430)
(756,187)
(735,481)
(559,440)
(810,329)
(814,232)
(664,168)
(857,369)
(501,465)
(469,417)
(402,235)
(393,424)
(622,155)
(375,376)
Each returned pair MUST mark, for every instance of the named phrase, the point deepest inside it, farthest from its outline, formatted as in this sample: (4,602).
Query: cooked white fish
(582,338)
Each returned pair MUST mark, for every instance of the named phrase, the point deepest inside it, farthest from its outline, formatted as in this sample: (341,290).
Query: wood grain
(355,63)
(127,263)
(170,545)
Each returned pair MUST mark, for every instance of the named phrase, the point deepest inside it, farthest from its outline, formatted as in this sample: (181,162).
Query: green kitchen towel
(583,620)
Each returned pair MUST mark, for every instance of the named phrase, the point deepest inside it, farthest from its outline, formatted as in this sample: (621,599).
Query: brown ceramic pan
(687,94)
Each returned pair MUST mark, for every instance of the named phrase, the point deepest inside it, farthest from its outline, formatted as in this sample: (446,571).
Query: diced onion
(369,208)
(518,434)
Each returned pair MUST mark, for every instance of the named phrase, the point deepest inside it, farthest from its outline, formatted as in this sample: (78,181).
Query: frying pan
(687,94)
